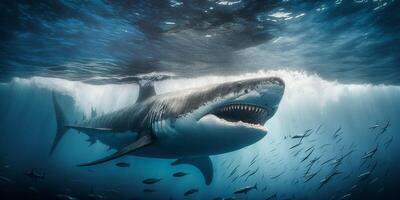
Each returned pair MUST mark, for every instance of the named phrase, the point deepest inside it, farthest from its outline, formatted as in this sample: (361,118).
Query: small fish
(337,162)
(277,176)
(319,128)
(309,177)
(179,174)
(65,197)
(298,136)
(230,164)
(387,143)
(234,179)
(312,147)
(384,129)
(251,174)
(338,132)
(296,145)
(308,169)
(364,175)
(93,196)
(374,180)
(314,160)
(122,164)
(5,179)
(148,190)
(327,179)
(370,153)
(190,192)
(297,153)
(374,166)
(324,145)
(271,197)
(348,153)
(35,176)
(253,160)
(373,127)
(305,134)
(245,173)
(346,196)
(327,161)
(246,189)
(313,140)
(233,171)
(308,155)
(151,180)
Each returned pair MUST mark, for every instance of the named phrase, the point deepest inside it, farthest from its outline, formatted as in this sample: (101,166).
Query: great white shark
(188,125)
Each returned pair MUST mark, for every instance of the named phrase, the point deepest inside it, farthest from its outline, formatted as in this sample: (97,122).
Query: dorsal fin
(146,90)
(93,113)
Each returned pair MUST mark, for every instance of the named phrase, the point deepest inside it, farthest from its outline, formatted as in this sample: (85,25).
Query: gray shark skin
(188,125)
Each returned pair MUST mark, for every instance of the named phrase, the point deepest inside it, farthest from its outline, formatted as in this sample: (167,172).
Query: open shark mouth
(247,113)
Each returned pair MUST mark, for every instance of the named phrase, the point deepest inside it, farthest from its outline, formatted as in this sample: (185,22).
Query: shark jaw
(243,115)
(239,125)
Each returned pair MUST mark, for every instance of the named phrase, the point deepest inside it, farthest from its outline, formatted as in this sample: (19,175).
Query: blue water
(339,60)
(28,126)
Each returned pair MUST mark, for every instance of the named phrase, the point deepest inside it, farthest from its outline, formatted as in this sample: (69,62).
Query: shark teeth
(250,108)
(247,113)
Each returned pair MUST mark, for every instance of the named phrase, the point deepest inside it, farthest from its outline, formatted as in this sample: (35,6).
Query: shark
(189,125)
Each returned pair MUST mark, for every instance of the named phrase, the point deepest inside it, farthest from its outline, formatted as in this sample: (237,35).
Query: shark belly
(173,140)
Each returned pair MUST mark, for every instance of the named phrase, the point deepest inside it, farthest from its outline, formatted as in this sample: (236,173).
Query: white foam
(104,98)
(301,89)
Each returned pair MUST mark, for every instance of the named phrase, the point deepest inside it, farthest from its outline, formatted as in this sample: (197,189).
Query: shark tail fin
(61,122)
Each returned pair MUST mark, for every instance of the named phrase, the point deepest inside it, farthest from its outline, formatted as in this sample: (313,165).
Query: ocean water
(339,60)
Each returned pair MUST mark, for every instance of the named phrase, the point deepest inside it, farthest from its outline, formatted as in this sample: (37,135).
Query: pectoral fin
(92,129)
(204,164)
(141,142)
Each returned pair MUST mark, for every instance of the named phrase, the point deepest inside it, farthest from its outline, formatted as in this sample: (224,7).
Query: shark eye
(246,91)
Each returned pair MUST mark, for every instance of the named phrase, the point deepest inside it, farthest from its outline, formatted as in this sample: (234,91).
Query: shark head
(248,104)
(226,116)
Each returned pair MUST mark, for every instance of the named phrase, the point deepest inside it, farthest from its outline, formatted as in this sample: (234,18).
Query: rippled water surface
(115,41)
